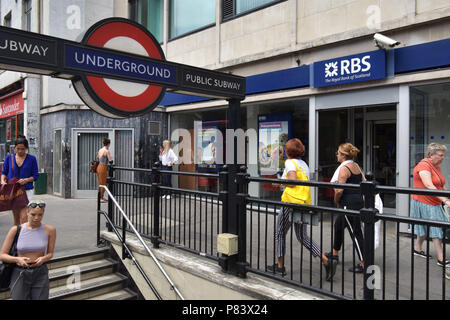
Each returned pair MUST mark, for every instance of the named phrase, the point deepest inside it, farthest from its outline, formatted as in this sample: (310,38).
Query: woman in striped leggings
(295,150)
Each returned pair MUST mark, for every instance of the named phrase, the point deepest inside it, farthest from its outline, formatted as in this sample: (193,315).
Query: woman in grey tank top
(35,247)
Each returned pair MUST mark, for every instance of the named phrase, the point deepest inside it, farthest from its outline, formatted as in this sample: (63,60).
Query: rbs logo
(348,66)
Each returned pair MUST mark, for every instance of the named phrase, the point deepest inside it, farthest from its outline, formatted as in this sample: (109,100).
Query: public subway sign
(118,70)
(350,69)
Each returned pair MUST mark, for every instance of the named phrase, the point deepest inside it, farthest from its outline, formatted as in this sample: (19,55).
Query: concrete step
(95,273)
(123,294)
(90,288)
(75,259)
(86,270)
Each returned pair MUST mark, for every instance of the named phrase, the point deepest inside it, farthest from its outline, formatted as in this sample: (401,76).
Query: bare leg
(23,215)
(438,246)
(280,262)
(419,243)
(16,216)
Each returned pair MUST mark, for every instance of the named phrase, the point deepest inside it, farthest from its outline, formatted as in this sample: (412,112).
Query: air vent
(227,9)
(154,128)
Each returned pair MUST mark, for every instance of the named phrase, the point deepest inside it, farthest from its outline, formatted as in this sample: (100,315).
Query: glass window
(187,16)
(149,13)
(232,8)
(267,126)
(429,118)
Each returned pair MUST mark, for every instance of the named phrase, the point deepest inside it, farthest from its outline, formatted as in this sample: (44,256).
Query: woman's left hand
(22,181)
(39,261)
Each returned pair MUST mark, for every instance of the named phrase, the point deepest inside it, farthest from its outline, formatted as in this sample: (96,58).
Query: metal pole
(144,244)
(368,189)
(156,183)
(242,221)
(232,216)
(110,182)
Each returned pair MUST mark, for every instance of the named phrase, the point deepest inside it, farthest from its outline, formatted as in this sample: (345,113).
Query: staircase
(98,275)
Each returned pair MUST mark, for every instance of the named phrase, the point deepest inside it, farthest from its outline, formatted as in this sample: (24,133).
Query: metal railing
(191,220)
(126,252)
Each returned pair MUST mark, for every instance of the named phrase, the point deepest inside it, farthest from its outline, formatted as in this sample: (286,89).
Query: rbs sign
(356,68)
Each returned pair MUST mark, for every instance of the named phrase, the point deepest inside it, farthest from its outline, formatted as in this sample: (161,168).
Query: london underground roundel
(118,98)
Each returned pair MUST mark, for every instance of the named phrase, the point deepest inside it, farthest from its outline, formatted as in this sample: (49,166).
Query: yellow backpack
(298,194)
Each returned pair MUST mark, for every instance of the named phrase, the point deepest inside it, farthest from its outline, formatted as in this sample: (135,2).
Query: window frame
(235,15)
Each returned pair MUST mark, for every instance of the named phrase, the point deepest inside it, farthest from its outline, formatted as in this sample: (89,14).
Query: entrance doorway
(373,131)
(381,157)
(86,143)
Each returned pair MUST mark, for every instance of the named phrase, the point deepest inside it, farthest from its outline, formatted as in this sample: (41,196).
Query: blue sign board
(99,62)
(350,69)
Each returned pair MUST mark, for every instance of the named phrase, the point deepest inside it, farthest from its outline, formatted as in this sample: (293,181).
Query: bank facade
(313,72)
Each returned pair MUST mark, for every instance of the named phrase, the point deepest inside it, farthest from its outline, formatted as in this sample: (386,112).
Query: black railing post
(368,189)
(110,183)
(231,215)
(242,189)
(99,242)
(156,191)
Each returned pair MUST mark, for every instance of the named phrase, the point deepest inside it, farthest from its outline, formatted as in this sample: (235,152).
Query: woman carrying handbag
(23,166)
(296,169)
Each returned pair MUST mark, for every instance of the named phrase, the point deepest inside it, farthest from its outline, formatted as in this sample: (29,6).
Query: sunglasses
(35,205)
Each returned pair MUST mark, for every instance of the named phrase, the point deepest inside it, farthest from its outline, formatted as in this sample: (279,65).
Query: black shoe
(356,269)
(422,254)
(330,269)
(275,269)
(442,263)
(330,255)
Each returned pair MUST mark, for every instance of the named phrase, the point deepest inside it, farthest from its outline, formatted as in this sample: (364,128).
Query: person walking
(23,166)
(427,175)
(348,172)
(35,247)
(295,150)
(103,156)
(168,159)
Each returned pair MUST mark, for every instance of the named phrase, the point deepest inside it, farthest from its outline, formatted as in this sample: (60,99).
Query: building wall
(273,38)
(145,145)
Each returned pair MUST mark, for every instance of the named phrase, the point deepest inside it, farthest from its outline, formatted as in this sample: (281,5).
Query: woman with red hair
(294,151)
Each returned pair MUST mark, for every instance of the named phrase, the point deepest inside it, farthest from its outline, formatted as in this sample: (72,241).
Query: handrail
(143,242)
(155,292)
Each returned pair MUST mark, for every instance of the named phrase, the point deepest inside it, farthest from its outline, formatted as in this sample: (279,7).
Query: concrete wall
(80,117)
(275,37)
(198,278)
(69,19)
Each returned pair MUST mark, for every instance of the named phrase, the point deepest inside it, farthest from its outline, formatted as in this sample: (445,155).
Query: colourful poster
(273,133)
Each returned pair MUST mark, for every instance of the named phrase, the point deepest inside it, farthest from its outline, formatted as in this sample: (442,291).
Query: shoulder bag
(300,195)
(7,268)
(12,194)
(93,165)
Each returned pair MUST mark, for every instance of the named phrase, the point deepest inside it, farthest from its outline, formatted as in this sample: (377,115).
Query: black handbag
(7,268)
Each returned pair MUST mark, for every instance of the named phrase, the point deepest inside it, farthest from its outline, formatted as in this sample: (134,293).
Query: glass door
(88,145)
(334,129)
(381,160)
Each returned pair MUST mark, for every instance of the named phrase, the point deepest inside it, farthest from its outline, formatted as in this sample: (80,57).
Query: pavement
(75,221)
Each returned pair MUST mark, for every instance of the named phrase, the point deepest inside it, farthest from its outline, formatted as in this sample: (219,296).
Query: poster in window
(274,130)
(209,144)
